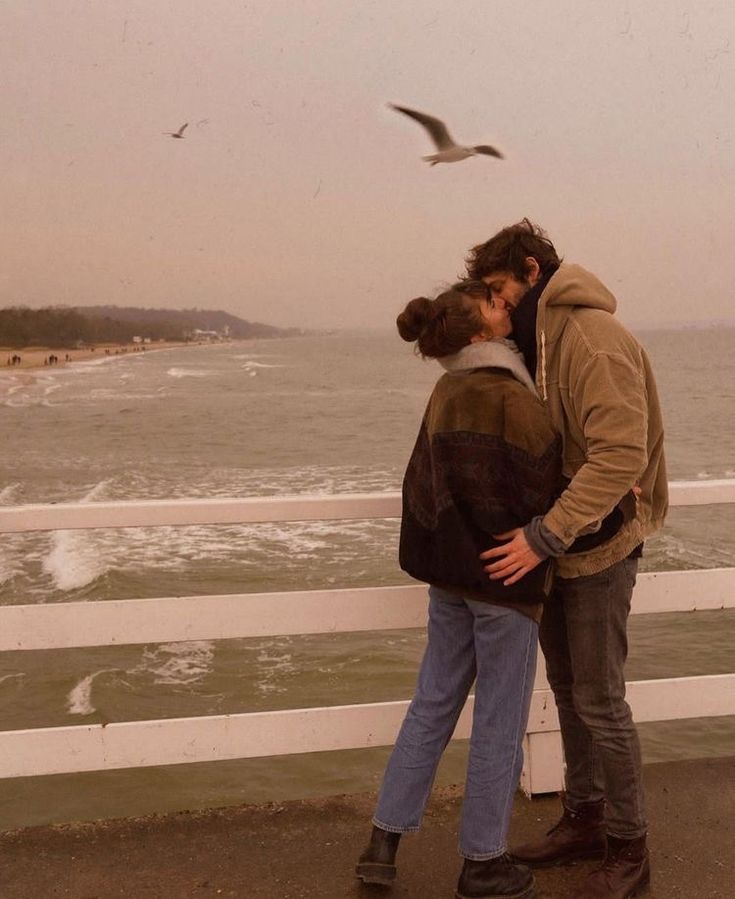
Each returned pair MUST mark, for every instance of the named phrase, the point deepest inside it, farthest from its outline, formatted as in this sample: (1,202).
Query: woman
(486,460)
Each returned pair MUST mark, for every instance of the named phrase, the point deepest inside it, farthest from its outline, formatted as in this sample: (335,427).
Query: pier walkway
(307,849)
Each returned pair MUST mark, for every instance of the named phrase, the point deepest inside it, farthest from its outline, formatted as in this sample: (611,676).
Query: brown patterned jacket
(487,459)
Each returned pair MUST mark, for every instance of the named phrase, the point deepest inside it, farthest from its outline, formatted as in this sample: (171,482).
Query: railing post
(543,763)
(543,759)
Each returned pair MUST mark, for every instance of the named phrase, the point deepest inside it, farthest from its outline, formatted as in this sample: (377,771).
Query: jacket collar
(496,353)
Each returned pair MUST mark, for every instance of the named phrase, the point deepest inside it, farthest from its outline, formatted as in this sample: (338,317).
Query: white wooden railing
(128,744)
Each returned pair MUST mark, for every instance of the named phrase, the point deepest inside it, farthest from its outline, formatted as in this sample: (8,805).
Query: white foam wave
(10,567)
(90,364)
(74,559)
(10,559)
(6,494)
(276,662)
(79,698)
(104,393)
(97,492)
(250,365)
(275,666)
(178,663)
(188,373)
(23,400)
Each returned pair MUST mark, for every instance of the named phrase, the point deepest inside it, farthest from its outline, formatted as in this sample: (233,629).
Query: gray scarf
(496,353)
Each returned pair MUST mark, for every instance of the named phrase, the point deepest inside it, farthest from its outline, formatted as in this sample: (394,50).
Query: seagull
(448,150)
(179,135)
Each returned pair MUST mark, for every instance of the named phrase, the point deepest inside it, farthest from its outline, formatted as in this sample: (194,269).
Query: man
(597,384)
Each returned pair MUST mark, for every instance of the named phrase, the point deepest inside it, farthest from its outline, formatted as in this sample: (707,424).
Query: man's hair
(508,250)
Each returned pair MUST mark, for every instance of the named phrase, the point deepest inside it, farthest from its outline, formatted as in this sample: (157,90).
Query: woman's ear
(480,338)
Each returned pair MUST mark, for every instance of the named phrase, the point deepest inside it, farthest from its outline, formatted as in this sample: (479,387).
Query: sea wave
(79,698)
(74,559)
(11,562)
(8,493)
(177,663)
(247,366)
(188,372)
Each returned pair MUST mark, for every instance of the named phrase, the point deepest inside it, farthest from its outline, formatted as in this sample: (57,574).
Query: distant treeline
(61,326)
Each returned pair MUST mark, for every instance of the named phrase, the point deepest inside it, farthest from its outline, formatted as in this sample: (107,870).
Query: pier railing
(130,744)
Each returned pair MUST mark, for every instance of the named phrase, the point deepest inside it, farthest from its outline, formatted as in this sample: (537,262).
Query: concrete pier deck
(307,849)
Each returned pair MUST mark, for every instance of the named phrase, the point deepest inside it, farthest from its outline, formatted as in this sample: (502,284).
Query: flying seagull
(448,150)
(179,135)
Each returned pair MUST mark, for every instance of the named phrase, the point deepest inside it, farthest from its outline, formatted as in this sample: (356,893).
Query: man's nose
(500,303)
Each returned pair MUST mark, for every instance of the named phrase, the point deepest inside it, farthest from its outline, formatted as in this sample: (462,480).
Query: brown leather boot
(377,862)
(624,874)
(577,834)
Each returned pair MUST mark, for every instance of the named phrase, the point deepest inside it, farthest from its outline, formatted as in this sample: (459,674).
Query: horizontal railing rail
(211,738)
(236,615)
(260,509)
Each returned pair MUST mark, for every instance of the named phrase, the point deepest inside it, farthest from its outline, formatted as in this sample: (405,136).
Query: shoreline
(36,357)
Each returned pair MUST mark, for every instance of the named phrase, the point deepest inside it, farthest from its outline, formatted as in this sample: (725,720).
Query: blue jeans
(467,640)
(583,636)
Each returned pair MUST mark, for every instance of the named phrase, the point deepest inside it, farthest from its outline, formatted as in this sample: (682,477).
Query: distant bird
(179,135)
(449,151)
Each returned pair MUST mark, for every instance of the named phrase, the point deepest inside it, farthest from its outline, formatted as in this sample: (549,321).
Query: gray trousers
(583,636)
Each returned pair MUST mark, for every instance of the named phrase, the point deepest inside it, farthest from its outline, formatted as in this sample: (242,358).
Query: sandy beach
(38,357)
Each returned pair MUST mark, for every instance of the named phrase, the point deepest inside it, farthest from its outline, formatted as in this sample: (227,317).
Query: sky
(298,198)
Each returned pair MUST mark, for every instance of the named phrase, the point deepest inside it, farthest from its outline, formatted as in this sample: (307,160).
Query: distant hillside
(188,319)
(63,326)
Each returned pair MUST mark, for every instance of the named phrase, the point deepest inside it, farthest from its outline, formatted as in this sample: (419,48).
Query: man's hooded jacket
(596,382)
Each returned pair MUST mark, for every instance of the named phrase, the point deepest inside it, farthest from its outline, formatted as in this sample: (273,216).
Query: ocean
(316,414)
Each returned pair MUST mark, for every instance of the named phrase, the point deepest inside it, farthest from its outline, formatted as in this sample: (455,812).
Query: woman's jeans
(467,640)
(583,636)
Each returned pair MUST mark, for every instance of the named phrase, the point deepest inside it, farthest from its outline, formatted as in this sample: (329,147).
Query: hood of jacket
(570,287)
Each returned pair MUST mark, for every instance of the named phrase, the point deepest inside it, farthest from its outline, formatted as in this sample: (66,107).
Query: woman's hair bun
(414,318)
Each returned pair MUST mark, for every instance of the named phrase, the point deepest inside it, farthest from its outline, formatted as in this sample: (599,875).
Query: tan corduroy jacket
(598,386)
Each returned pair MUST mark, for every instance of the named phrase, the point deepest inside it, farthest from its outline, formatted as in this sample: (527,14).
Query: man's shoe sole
(371,872)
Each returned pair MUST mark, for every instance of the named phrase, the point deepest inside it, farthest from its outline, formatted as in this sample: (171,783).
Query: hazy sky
(298,198)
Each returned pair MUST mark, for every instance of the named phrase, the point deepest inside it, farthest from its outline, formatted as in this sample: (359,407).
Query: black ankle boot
(496,878)
(377,862)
